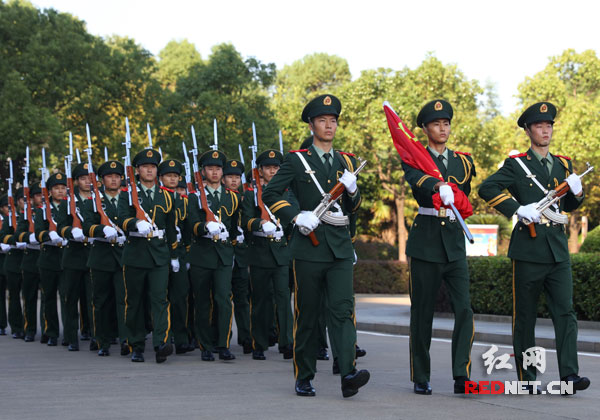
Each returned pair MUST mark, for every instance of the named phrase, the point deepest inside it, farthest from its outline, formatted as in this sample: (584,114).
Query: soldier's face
(267,172)
(181,191)
(324,127)
(4,210)
(112,182)
(58,192)
(37,200)
(438,131)
(540,133)
(21,202)
(147,172)
(170,180)
(83,182)
(213,173)
(232,181)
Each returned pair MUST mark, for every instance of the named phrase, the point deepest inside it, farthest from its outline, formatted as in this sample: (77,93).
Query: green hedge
(592,241)
(491,284)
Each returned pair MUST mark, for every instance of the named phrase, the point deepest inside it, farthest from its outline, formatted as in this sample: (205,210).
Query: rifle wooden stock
(13,212)
(335,192)
(139,212)
(264,214)
(28,213)
(104,220)
(560,190)
(210,217)
(72,206)
(48,210)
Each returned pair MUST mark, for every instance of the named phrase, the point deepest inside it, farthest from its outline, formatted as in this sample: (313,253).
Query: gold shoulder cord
(467,166)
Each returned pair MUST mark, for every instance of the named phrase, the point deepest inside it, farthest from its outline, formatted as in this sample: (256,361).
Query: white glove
(308,220)
(446,195)
(143,227)
(349,181)
(21,245)
(55,238)
(175,265)
(240,239)
(4,248)
(110,232)
(121,239)
(187,265)
(64,242)
(213,228)
(32,239)
(529,212)
(77,234)
(178,233)
(269,228)
(223,232)
(574,183)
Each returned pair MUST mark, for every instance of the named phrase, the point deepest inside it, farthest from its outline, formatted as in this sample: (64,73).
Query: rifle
(96,197)
(256,185)
(47,205)
(543,206)
(27,204)
(215,146)
(71,207)
(12,210)
(243,163)
(149,135)
(140,214)
(210,216)
(327,201)
(105,154)
(188,170)
(280,142)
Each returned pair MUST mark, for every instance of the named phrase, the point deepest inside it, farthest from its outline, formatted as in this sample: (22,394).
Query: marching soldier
(436,251)
(269,259)
(104,262)
(541,262)
(13,246)
(49,261)
(240,281)
(3,219)
(150,247)
(327,267)
(169,172)
(211,256)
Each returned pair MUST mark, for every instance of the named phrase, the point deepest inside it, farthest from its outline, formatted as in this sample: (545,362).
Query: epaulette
(166,189)
(296,151)
(564,157)
(462,153)
(346,153)
(235,191)
(517,155)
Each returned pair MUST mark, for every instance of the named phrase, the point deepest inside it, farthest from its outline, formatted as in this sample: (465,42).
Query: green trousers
(73,281)
(15,311)
(316,281)
(269,286)
(425,280)
(240,287)
(212,292)
(179,288)
(29,291)
(141,285)
(529,279)
(85,306)
(3,318)
(108,306)
(49,282)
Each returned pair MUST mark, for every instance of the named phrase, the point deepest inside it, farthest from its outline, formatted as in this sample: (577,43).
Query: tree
(176,61)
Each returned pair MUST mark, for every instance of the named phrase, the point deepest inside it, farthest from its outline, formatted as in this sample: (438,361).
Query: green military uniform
(12,270)
(106,271)
(30,272)
(541,263)
(178,281)
(3,317)
(76,275)
(146,262)
(436,248)
(269,258)
(240,279)
(323,269)
(211,261)
(49,262)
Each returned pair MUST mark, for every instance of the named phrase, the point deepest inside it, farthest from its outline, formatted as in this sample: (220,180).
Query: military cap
(269,157)
(170,166)
(4,200)
(181,183)
(322,105)
(307,143)
(213,158)
(233,167)
(19,193)
(35,188)
(80,169)
(249,176)
(56,179)
(111,167)
(150,156)
(542,111)
(434,110)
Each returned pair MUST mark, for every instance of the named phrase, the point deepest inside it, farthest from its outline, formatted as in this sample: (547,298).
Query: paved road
(50,383)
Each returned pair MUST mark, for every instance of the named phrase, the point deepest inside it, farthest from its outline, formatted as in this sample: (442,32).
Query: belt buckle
(442,212)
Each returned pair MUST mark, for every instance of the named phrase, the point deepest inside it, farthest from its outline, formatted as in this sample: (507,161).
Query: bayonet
(149,135)
(215,146)
(280,142)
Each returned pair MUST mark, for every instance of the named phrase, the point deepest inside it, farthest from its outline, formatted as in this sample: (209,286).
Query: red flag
(414,154)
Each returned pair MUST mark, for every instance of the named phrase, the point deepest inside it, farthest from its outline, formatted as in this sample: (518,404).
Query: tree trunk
(574,226)
(401,226)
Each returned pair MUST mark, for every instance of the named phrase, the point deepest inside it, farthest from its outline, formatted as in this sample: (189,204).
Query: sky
(501,42)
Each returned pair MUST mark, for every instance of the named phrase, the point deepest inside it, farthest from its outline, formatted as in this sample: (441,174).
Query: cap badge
(438,106)
(58,176)
(113,165)
(215,155)
(272,154)
(85,166)
(233,164)
(149,153)
(172,163)
(327,100)
(544,108)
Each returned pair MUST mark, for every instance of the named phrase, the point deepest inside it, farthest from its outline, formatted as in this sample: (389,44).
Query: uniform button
(531,185)
(520,228)
(548,224)
(443,223)
(329,181)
